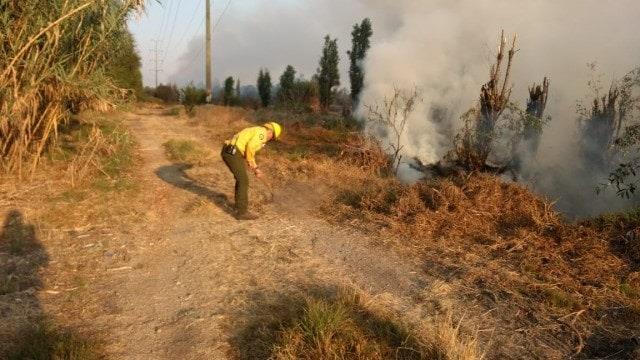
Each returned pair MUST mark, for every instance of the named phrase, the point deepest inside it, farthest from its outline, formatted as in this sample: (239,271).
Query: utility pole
(208,64)
(156,69)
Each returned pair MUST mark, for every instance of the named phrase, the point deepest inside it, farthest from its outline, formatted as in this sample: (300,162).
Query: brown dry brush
(366,154)
(52,63)
(516,248)
(85,159)
(474,144)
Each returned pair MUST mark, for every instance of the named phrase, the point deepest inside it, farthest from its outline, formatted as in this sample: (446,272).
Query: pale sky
(251,34)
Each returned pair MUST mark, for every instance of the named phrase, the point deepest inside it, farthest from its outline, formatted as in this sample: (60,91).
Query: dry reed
(50,58)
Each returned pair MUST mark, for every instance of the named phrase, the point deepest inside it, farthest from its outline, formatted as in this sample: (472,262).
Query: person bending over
(239,152)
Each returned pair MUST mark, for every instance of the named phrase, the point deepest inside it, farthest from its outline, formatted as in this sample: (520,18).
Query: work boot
(246,216)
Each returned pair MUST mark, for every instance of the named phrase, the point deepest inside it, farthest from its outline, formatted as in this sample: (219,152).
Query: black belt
(230,149)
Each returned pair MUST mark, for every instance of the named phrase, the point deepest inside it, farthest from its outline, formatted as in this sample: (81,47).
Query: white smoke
(446,47)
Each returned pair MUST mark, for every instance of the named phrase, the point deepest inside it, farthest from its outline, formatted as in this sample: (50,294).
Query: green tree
(191,96)
(123,66)
(328,75)
(238,91)
(287,81)
(227,96)
(264,87)
(359,46)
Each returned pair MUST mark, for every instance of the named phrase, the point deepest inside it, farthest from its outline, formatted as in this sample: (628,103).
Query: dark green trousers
(236,164)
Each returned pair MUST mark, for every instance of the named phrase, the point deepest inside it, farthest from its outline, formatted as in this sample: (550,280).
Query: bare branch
(393,117)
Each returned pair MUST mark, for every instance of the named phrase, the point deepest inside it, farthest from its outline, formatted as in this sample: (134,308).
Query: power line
(199,29)
(184,33)
(173,27)
(222,15)
(165,17)
(201,45)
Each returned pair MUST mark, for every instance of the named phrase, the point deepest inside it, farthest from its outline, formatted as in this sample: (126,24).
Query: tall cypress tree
(228,91)
(328,75)
(287,81)
(264,87)
(359,46)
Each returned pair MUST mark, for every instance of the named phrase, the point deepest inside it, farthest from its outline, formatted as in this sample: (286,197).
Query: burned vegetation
(497,135)
(559,289)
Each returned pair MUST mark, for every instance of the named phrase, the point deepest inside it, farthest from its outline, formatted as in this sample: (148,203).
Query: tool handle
(265,183)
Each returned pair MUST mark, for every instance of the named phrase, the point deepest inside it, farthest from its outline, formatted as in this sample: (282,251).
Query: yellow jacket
(249,141)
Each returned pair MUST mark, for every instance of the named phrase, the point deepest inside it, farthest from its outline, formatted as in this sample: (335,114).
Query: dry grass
(44,341)
(211,115)
(548,286)
(353,325)
(494,242)
(514,248)
(98,151)
(187,151)
(172,111)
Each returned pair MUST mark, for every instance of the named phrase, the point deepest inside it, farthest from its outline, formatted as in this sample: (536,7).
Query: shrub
(124,67)
(228,97)
(192,96)
(167,93)
(304,96)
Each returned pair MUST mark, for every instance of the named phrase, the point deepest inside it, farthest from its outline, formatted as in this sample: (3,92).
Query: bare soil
(181,278)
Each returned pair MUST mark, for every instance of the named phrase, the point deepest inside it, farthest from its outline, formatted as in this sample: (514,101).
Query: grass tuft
(630,291)
(8,283)
(628,219)
(43,341)
(173,111)
(346,327)
(559,298)
(187,151)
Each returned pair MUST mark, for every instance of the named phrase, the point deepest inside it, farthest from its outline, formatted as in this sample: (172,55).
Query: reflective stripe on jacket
(249,141)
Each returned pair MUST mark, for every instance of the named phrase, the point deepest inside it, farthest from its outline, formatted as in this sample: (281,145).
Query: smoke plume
(445,48)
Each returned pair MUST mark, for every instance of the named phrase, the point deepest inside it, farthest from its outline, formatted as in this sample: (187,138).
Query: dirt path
(198,284)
